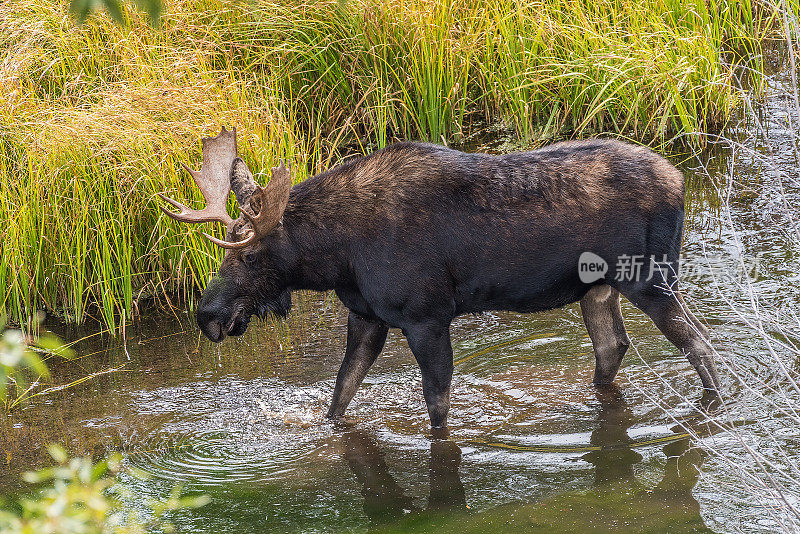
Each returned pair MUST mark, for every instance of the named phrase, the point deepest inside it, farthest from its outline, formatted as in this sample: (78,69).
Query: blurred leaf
(18,360)
(36,364)
(57,453)
(82,9)
(152,8)
(194,502)
(53,344)
(78,495)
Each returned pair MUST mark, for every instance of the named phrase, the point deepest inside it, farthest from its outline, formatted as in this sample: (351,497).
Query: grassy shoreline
(94,120)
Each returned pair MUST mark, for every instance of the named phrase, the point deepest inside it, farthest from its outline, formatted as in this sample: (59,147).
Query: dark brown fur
(417,234)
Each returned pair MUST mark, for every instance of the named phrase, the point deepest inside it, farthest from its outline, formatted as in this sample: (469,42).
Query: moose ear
(269,202)
(276,193)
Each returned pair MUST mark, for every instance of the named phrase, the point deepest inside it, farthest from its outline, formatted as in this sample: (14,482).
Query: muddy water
(533,446)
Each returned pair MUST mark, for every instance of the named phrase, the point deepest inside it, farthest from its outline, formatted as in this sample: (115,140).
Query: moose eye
(249,257)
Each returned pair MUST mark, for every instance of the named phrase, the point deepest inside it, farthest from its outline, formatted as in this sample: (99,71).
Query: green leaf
(194,502)
(152,8)
(114,9)
(100,469)
(57,452)
(53,344)
(36,364)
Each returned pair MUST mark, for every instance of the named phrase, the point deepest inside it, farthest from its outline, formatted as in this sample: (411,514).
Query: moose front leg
(365,339)
(430,344)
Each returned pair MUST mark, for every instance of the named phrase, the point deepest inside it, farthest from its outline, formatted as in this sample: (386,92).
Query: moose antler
(221,169)
(267,204)
(213,179)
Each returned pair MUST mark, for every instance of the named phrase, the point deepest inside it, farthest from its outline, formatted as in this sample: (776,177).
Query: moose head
(252,279)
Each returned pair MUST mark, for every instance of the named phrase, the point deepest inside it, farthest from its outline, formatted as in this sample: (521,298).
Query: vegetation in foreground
(76,494)
(79,495)
(94,120)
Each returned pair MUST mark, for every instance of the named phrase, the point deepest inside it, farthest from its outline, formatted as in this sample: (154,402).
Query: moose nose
(210,326)
(214,331)
(211,311)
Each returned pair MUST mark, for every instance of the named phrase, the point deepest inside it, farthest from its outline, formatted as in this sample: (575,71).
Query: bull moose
(416,234)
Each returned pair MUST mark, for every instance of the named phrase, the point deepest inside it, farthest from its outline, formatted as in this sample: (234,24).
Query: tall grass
(94,120)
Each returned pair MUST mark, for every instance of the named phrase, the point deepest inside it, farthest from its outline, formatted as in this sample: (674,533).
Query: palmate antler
(222,168)
(213,179)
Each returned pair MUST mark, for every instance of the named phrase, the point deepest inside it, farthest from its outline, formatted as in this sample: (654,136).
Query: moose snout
(210,323)
(212,328)
(213,313)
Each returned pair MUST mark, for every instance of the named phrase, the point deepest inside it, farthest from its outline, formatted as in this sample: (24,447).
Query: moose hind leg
(603,319)
(685,331)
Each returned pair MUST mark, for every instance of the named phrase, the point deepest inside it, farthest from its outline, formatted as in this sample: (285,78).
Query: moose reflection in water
(617,500)
(384,499)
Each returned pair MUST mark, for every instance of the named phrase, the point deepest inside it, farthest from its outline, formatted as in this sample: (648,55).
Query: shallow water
(243,422)
(533,446)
